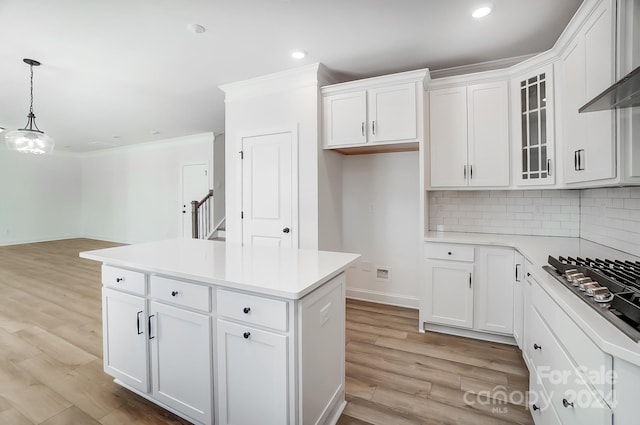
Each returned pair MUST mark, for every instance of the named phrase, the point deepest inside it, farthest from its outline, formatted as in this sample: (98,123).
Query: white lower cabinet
(125,348)
(252,365)
(181,360)
(468,287)
(567,369)
(449,294)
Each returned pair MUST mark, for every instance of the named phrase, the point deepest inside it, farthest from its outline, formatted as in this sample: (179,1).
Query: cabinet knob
(246,335)
(537,347)
(174,293)
(534,407)
(119,279)
(246,310)
(286,230)
(566,403)
(528,274)
(449,253)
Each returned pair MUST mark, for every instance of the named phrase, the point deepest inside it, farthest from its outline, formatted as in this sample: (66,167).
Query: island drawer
(180,293)
(123,279)
(448,251)
(252,309)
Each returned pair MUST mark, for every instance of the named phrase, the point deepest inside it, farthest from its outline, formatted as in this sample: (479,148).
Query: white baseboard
(383,298)
(36,240)
(469,333)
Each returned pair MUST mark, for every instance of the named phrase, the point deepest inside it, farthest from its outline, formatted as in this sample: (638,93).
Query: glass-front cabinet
(533,128)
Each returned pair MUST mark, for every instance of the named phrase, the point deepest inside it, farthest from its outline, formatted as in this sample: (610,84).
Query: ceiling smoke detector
(196,28)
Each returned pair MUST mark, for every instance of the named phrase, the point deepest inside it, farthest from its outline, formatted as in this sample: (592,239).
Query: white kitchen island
(227,334)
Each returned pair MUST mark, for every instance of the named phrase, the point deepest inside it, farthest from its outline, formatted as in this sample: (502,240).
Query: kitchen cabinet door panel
(252,365)
(181,359)
(345,119)
(488,134)
(448,134)
(392,113)
(126,354)
(494,273)
(448,298)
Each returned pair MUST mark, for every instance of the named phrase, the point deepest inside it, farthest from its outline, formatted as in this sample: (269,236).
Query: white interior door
(195,185)
(268,190)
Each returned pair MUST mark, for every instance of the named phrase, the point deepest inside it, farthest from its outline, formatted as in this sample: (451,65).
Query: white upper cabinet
(392,113)
(533,140)
(469,136)
(587,68)
(374,112)
(345,118)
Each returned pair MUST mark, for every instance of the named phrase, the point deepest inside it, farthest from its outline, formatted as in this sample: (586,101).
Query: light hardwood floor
(51,356)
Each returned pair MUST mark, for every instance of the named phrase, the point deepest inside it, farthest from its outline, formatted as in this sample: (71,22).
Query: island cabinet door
(181,360)
(126,355)
(252,375)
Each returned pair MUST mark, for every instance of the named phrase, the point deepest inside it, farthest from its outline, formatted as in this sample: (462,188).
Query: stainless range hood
(623,94)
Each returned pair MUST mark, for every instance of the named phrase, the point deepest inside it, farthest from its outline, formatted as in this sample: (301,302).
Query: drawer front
(571,397)
(123,279)
(180,293)
(259,311)
(540,404)
(447,251)
(596,364)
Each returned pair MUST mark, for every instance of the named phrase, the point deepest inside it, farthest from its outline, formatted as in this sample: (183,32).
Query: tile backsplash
(612,217)
(522,212)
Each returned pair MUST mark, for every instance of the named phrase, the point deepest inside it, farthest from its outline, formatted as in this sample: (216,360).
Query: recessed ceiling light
(481,12)
(116,137)
(298,54)
(155,132)
(196,28)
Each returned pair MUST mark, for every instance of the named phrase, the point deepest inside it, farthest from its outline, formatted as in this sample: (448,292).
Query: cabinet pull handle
(537,347)
(149,325)
(517,272)
(470,171)
(469,280)
(246,310)
(138,322)
(464,172)
(575,160)
(580,164)
(534,407)
(548,167)
(174,293)
(373,127)
(246,335)
(362,128)
(119,279)
(566,403)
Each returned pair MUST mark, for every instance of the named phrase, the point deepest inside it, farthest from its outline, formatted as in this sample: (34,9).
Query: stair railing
(201,216)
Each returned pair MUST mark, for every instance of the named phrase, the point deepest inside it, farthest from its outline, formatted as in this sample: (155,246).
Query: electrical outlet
(383,273)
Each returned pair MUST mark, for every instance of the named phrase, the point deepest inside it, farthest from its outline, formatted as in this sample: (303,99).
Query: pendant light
(29,139)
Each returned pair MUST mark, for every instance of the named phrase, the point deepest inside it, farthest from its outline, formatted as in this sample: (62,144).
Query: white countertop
(537,249)
(283,272)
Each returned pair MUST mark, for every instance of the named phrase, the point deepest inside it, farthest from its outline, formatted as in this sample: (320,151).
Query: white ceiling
(126,68)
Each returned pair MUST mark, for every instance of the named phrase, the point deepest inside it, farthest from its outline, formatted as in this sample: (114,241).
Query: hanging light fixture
(29,139)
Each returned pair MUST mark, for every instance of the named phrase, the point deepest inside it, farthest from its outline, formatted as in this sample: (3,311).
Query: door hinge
(241,154)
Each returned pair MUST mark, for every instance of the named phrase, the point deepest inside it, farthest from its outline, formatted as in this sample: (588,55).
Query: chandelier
(29,139)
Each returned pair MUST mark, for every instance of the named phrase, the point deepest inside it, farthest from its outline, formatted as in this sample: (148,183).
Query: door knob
(286,230)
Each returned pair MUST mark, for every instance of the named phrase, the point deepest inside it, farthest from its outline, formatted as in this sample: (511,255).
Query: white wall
(219,185)
(282,101)
(39,197)
(132,194)
(381,221)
